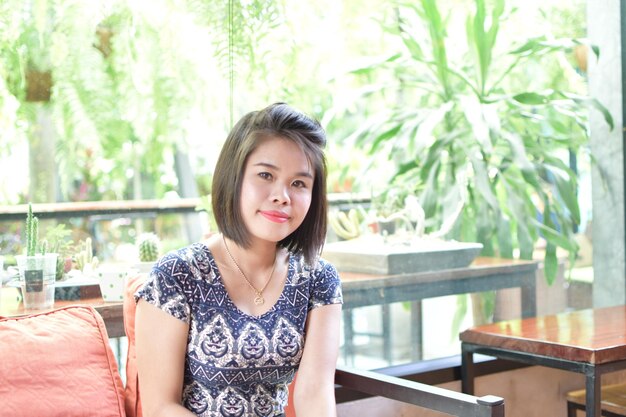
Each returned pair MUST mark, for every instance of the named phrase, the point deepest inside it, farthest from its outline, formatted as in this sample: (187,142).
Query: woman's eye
(299,184)
(265,175)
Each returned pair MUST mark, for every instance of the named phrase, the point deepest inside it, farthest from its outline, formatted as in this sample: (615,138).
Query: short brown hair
(280,120)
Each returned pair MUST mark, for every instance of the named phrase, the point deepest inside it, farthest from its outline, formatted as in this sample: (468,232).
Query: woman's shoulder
(195,258)
(197,250)
(319,268)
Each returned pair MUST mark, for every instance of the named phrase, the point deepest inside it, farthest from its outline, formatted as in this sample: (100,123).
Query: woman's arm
(161,342)
(314,393)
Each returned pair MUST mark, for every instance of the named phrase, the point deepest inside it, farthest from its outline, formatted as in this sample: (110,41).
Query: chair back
(58,363)
(131,392)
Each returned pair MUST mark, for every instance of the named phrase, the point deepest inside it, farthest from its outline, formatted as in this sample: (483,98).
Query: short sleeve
(325,287)
(164,288)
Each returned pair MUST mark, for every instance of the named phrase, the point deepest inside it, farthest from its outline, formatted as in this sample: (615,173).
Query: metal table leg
(467,370)
(593,392)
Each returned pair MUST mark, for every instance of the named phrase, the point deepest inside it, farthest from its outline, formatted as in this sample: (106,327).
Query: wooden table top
(112,313)
(593,335)
(11,305)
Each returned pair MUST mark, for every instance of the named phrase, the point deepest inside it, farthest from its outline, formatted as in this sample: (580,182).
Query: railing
(128,207)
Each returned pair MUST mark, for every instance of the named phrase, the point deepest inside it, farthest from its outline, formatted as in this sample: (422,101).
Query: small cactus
(32,232)
(149,247)
(85,261)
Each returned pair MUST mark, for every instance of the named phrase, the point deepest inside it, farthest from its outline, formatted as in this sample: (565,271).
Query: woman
(222,326)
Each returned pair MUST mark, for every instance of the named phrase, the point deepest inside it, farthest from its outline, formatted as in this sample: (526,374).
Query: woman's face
(276,189)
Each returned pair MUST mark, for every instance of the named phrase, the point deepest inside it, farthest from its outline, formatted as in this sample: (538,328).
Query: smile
(275,216)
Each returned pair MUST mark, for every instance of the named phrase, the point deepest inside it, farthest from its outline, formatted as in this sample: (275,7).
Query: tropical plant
(481,131)
(239,28)
(121,86)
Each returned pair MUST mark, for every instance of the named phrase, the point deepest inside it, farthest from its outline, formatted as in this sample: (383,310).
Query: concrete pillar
(605,83)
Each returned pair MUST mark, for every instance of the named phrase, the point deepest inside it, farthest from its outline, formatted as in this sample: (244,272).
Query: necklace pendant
(258,300)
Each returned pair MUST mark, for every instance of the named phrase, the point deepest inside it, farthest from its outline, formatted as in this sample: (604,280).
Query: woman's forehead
(280,152)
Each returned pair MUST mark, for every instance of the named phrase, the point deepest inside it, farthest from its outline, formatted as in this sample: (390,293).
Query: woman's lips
(275,216)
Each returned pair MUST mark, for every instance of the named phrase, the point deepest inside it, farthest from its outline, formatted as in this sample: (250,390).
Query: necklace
(258,299)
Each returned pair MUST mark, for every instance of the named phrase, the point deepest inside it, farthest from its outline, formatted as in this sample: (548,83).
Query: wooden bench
(613,402)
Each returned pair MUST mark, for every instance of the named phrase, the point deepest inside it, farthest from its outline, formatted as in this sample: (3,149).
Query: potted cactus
(149,250)
(84,259)
(37,268)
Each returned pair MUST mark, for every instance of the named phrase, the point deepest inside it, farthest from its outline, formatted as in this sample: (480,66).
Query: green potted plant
(57,240)
(83,259)
(472,131)
(148,249)
(37,268)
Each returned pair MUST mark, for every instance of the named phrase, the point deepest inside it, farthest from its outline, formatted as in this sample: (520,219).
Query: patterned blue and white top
(236,364)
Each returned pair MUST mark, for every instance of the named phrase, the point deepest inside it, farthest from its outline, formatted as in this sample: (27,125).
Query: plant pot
(112,284)
(386,227)
(37,275)
(38,85)
(376,254)
(144,267)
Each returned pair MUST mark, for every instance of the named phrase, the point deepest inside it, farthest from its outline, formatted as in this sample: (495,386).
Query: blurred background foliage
(115,99)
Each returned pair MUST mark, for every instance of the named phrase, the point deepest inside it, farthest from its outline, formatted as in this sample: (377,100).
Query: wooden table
(112,313)
(591,342)
(484,274)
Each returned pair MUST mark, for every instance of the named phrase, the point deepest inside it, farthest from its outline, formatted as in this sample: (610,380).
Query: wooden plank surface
(593,335)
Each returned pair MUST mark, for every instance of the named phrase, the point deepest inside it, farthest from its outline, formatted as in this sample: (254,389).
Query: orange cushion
(131,392)
(58,363)
(290,410)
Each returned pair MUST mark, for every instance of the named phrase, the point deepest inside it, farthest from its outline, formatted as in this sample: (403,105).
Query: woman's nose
(280,194)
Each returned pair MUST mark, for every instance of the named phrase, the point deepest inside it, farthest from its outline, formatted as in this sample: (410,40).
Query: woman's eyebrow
(274,167)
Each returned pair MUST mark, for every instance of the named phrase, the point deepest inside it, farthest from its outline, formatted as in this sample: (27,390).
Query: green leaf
(555,237)
(404,168)
(380,139)
(505,241)
(529,46)
(437,38)
(524,240)
(373,66)
(558,125)
(413,46)
(567,193)
(531,98)
(483,184)
(596,51)
(531,178)
(484,231)
(550,264)
(592,102)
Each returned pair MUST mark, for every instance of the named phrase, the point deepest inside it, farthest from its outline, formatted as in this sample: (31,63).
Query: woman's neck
(258,256)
